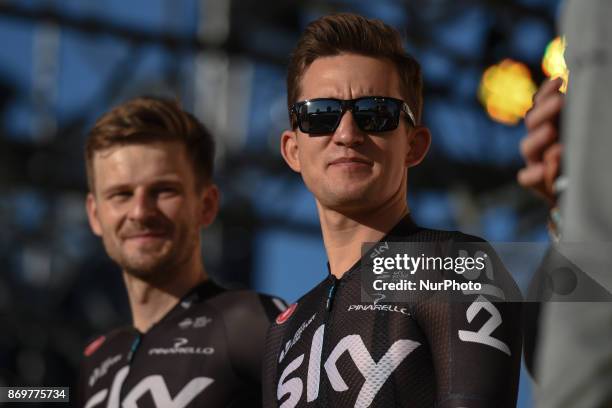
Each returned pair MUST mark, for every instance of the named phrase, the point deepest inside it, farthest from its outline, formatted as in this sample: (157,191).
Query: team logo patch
(198,322)
(283,317)
(93,346)
(180,347)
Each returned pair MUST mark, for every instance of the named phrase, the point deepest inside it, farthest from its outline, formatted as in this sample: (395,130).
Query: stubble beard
(345,198)
(158,268)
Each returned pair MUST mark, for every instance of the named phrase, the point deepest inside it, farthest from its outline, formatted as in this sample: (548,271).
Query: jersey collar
(406,226)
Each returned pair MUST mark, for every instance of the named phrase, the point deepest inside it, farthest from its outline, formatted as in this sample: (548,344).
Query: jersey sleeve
(81,384)
(270,364)
(475,340)
(86,366)
(247,317)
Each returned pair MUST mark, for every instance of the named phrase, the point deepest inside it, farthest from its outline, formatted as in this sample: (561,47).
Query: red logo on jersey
(283,317)
(93,346)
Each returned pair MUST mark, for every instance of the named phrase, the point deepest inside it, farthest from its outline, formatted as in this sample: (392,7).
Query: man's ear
(289,150)
(92,214)
(419,142)
(210,204)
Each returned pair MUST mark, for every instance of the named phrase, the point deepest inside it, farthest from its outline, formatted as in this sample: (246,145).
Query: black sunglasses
(372,114)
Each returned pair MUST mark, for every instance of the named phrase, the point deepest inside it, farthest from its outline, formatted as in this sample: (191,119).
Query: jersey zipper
(129,358)
(329,304)
(133,348)
(331,293)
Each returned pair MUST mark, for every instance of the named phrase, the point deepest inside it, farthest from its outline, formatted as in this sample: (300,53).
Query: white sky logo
(154,384)
(374,373)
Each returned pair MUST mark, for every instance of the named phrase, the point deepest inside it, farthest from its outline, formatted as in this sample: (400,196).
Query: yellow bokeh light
(553,62)
(506,90)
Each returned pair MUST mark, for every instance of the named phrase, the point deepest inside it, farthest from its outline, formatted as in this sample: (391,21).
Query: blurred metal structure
(65,63)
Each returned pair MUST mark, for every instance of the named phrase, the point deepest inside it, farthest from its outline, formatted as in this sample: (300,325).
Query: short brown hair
(351,33)
(151,119)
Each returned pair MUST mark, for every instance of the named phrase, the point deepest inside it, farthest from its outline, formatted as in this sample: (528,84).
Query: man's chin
(146,269)
(347,200)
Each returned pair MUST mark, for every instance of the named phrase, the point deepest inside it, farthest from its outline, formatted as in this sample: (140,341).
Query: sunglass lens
(376,114)
(320,116)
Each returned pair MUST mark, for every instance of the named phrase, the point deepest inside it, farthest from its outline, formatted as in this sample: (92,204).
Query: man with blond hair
(192,343)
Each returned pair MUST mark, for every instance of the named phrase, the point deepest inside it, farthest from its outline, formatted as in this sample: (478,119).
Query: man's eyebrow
(175,181)
(166,181)
(116,187)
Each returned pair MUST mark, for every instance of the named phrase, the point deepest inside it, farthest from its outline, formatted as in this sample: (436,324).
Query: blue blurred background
(65,62)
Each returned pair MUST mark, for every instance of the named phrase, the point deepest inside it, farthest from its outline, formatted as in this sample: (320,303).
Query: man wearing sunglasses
(354,98)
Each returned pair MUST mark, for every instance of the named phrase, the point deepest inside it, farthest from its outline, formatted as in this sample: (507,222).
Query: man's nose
(348,133)
(143,206)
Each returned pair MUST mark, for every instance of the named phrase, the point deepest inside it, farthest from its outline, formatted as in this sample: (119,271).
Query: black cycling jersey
(332,350)
(207,351)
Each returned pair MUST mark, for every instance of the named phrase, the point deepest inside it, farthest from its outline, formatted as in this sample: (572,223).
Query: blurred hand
(540,148)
